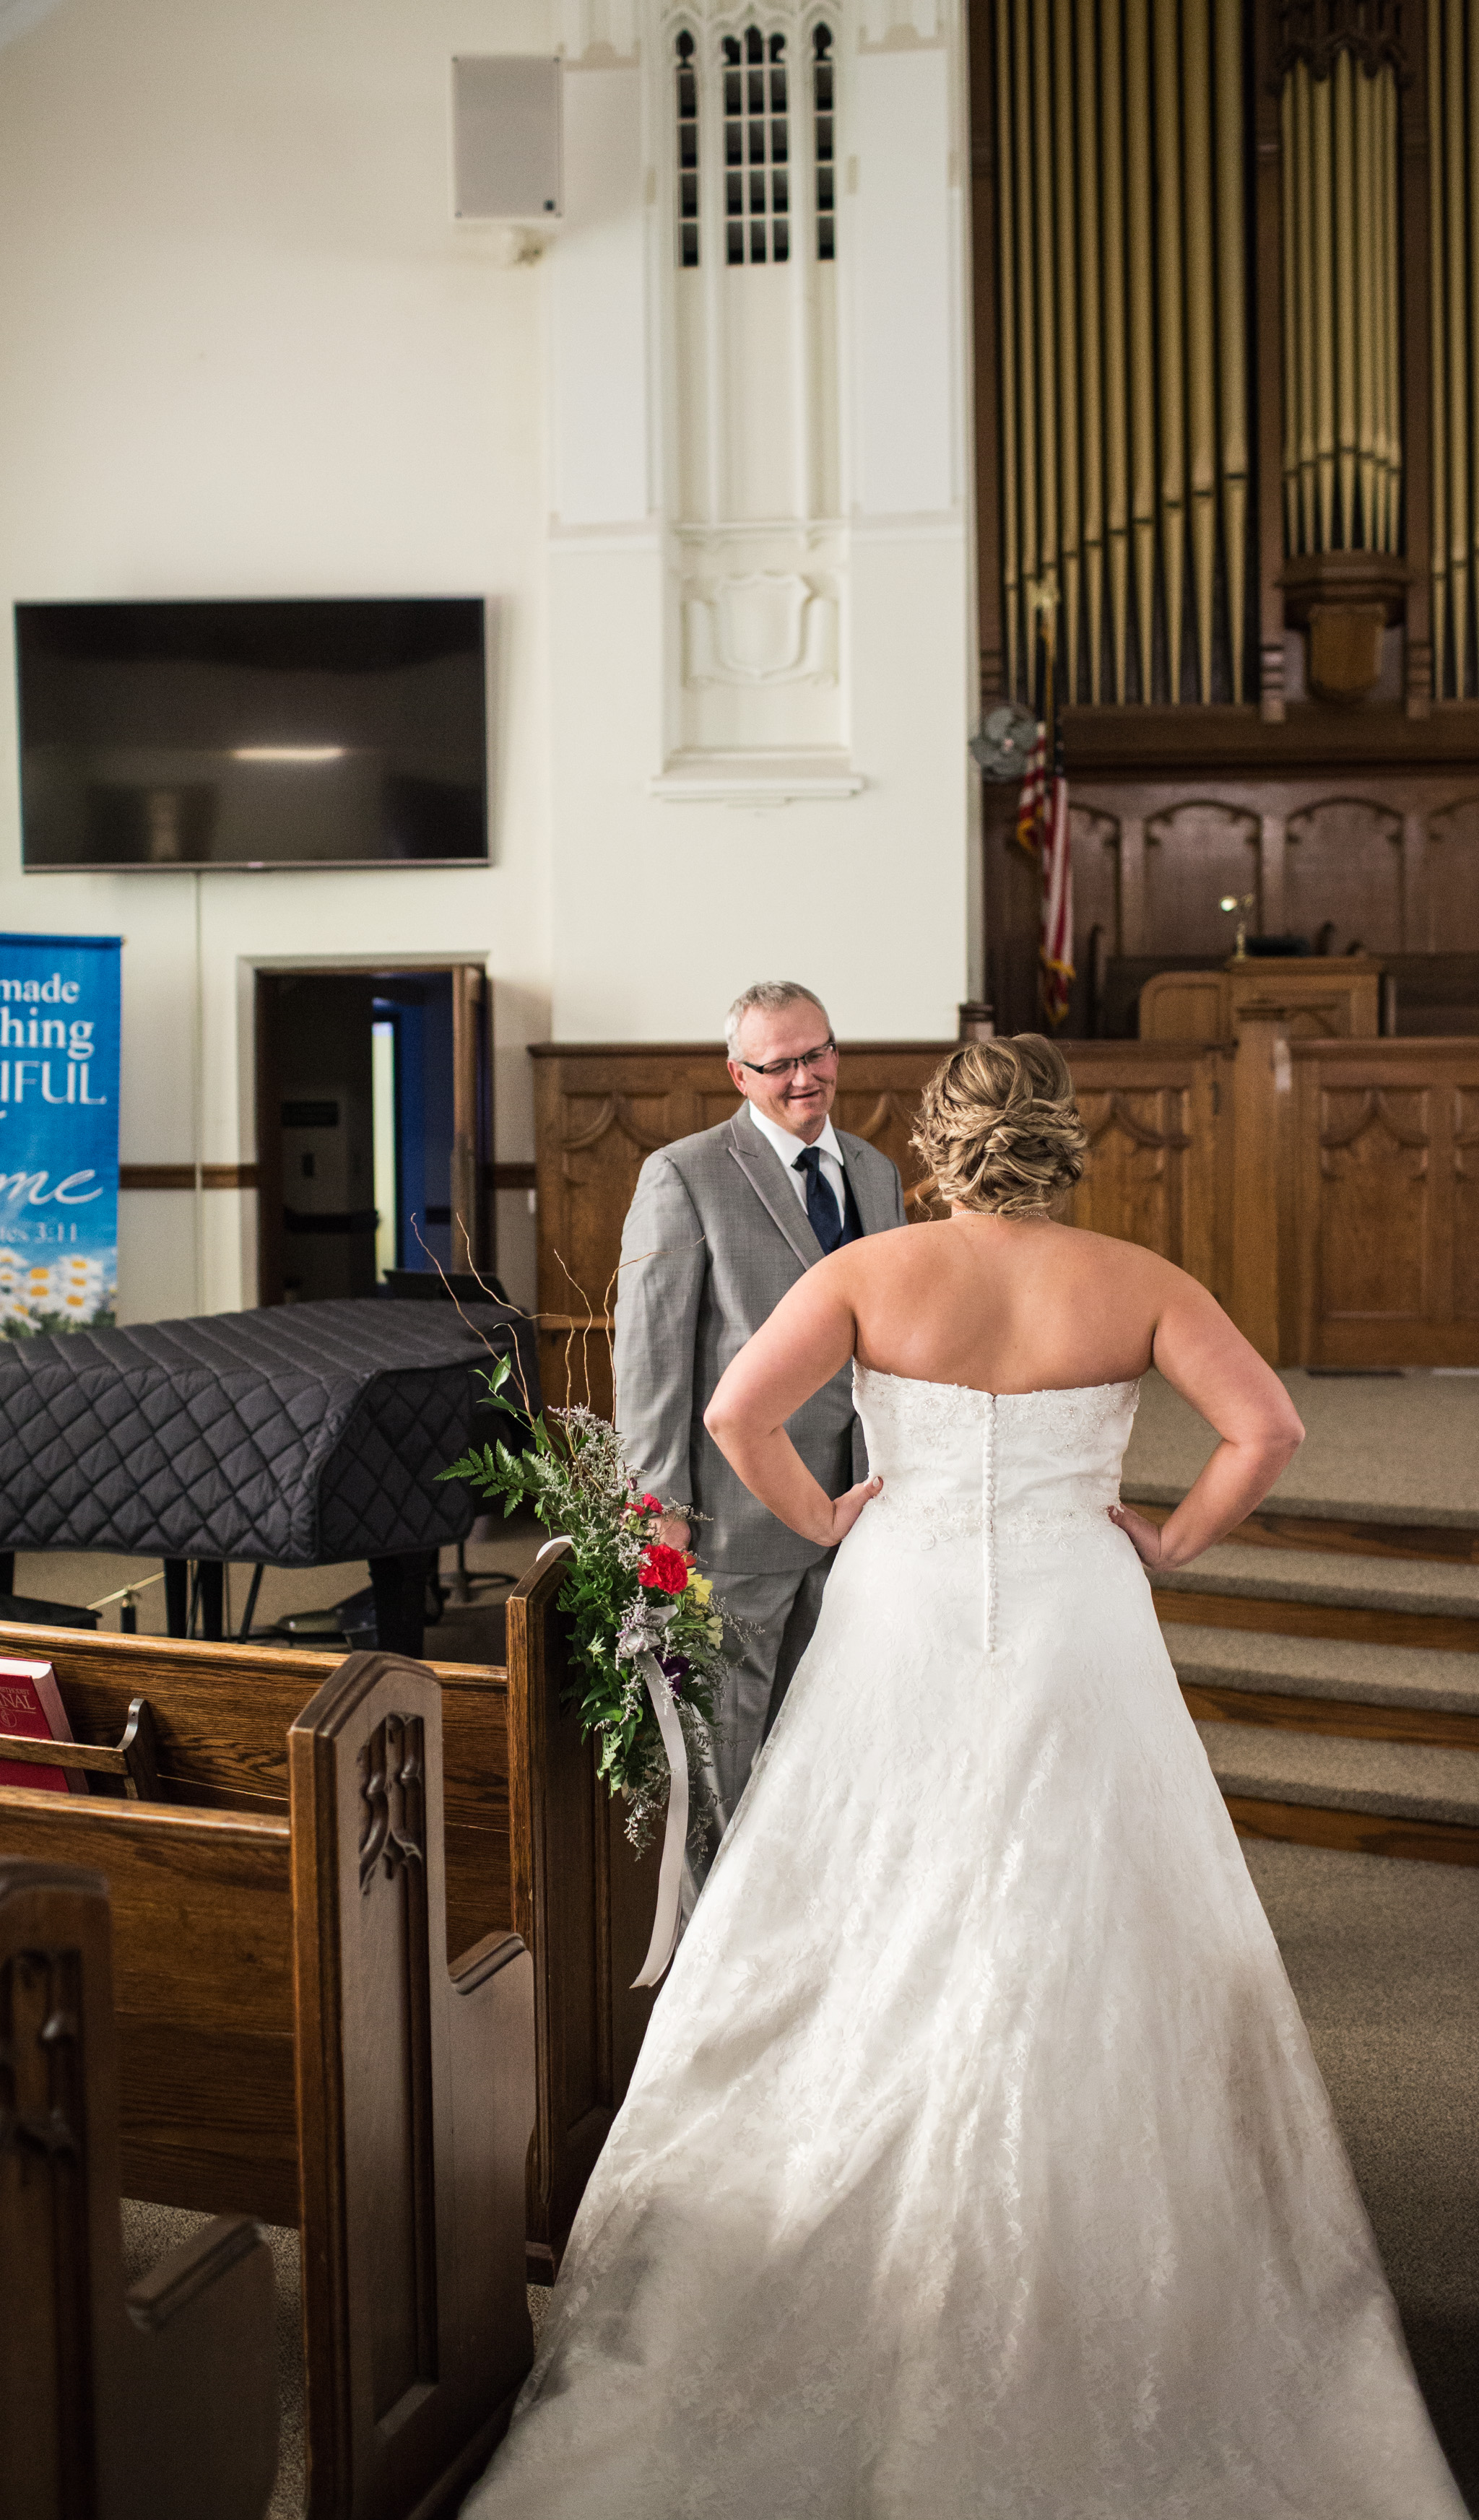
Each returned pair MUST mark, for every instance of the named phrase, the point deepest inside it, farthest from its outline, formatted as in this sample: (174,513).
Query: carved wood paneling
(1157,1162)
(1453,878)
(1343,871)
(1375,1206)
(1387,1145)
(1385,855)
(1096,843)
(1195,853)
(1154,1174)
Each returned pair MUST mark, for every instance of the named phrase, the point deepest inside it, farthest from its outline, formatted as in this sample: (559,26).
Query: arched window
(756,149)
(686,101)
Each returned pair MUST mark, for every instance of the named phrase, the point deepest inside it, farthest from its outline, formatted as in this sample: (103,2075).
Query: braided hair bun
(1000,1129)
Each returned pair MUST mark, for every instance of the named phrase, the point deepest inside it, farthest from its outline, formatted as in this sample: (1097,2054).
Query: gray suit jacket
(714,1237)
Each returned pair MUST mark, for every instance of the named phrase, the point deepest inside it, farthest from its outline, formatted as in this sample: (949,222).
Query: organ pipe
(1201,350)
(1089,214)
(1454,309)
(1123,365)
(1231,316)
(1011,534)
(1115,406)
(1342,440)
(1458,364)
(1070,431)
(1141,331)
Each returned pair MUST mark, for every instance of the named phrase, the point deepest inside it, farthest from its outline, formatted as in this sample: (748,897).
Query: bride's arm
(809,1337)
(1212,1364)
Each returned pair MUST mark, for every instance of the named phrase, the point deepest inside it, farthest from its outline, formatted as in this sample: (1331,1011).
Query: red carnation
(651,1504)
(663,1569)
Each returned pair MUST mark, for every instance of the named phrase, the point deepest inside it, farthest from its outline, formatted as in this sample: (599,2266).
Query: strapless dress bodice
(1029,1465)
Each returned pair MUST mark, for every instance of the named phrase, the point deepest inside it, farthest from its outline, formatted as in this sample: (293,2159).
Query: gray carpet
(1382,1956)
(1377,1448)
(150,2232)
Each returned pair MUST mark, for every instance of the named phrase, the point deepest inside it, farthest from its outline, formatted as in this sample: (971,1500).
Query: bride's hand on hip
(1144,1536)
(846,1508)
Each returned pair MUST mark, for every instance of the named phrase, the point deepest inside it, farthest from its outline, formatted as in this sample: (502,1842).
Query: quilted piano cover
(303,1435)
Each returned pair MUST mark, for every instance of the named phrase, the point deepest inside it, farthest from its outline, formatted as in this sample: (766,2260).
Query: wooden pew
(282,1981)
(532,1846)
(157,2405)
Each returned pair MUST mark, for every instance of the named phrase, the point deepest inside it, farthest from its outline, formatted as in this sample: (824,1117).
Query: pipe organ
(1453,71)
(1124,381)
(1227,294)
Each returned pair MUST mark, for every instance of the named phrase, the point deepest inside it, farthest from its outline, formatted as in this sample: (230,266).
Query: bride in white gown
(976,2166)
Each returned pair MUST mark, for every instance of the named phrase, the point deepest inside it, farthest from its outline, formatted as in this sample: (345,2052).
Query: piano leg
(211,1575)
(178,1595)
(399,1585)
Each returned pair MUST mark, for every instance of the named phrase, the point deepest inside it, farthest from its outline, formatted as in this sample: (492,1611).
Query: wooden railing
(1325,1191)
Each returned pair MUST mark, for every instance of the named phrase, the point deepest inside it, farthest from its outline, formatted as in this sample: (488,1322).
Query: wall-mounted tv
(342,732)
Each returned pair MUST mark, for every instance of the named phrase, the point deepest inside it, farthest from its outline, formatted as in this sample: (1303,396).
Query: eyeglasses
(810,1060)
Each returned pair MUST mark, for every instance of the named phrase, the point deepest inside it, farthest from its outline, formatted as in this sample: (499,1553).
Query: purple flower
(675,1669)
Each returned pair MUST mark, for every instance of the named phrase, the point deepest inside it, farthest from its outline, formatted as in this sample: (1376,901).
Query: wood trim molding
(1446,1632)
(1354,1832)
(1220,738)
(182,1176)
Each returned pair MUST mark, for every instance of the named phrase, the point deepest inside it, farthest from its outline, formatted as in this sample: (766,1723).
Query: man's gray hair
(767,998)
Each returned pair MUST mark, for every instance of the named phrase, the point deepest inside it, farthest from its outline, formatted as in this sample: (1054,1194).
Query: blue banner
(60,1031)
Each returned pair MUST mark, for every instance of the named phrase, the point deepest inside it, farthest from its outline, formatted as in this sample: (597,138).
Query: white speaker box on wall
(506,136)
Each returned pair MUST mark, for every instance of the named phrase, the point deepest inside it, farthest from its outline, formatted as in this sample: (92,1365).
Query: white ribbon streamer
(665,1923)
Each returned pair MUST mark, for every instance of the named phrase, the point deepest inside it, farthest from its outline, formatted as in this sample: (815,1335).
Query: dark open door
(374,1126)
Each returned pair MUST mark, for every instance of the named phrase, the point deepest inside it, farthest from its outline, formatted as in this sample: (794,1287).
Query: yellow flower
(700,1587)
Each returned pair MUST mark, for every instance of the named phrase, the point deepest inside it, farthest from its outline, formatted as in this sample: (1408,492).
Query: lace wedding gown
(976,2166)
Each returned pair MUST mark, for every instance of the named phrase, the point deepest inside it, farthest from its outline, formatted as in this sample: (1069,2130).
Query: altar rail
(1362,1193)
(1157,1175)
(1387,1201)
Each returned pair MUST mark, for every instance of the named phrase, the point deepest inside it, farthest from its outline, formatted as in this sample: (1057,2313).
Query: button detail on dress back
(988,1521)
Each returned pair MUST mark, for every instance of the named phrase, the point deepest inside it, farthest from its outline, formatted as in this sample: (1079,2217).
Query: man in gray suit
(721,1225)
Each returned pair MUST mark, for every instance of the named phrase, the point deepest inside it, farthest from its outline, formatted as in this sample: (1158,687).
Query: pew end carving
(153,2405)
(292,2039)
(415,2099)
(583,1902)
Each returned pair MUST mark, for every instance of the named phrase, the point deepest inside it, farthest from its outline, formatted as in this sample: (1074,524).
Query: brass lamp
(1240,904)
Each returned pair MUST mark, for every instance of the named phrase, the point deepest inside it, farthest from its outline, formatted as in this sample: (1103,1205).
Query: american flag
(1055,948)
(1041,828)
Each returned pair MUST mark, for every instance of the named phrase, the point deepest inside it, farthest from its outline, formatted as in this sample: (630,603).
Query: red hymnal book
(31,1704)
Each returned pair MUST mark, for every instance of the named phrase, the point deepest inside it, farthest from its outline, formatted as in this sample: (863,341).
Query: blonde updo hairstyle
(1000,1129)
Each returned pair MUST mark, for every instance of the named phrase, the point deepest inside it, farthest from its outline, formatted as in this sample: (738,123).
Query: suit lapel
(873,1214)
(763,1169)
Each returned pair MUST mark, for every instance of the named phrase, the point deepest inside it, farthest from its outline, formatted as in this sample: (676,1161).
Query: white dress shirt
(788,1147)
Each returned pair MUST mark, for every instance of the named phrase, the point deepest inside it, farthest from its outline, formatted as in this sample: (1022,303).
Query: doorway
(373,1127)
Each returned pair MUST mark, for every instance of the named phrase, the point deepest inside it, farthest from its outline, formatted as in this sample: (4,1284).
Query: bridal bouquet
(634,1603)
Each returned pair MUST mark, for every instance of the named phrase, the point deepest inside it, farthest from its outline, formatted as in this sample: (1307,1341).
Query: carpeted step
(1392,1780)
(1325,1667)
(1378,1447)
(1419,1586)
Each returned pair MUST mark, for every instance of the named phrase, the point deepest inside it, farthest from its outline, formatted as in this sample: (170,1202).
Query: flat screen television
(343,733)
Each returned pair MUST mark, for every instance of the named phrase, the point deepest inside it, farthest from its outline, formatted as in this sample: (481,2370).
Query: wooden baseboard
(1444,1633)
(183,1177)
(1351,1832)
(1348,1718)
(1452,1544)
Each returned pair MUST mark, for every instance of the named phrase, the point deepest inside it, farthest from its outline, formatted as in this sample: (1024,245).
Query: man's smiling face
(800,1099)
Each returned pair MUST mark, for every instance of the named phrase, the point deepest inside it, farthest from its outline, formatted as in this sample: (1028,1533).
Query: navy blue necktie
(822,1212)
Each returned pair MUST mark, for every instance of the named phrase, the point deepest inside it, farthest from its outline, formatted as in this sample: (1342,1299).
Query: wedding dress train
(976,2162)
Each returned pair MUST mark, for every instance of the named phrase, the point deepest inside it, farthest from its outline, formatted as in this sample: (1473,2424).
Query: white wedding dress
(976,2166)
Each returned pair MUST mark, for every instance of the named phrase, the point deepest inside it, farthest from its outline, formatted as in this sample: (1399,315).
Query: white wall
(246,350)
